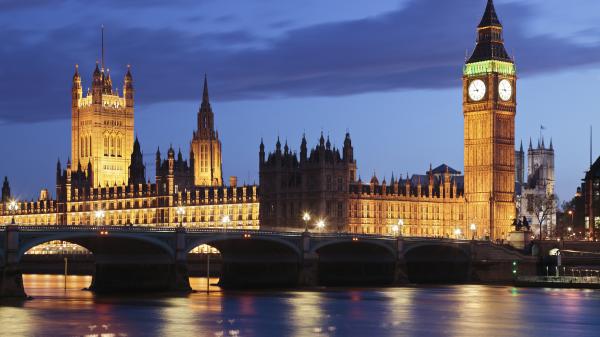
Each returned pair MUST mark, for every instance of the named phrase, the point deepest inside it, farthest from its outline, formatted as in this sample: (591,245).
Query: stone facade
(102,128)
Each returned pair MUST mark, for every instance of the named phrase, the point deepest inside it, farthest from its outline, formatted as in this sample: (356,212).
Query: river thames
(461,310)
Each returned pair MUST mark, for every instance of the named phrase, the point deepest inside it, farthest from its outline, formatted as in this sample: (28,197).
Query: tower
(489,107)
(5,190)
(540,165)
(137,169)
(206,146)
(102,126)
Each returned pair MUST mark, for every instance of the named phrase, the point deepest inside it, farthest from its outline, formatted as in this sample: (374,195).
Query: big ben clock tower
(489,106)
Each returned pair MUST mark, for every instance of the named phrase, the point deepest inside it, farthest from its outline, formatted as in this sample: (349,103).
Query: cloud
(419,46)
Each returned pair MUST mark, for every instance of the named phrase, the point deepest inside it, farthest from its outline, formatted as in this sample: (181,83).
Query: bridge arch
(91,241)
(388,247)
(253,261)
(437,263)
(219,240)
(351,262)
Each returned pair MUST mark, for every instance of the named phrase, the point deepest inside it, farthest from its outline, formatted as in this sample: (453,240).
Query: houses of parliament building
(106,183)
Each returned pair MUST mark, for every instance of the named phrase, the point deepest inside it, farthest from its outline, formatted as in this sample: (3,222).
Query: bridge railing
(172,229)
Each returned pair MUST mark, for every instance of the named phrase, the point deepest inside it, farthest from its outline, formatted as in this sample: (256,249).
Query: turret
(171,160)
(137,169)
(348,149)
(58,172)
(261,152)
(278,147)
(76,91)
(192,159)
(430,187)
(97,86)
(128,88)
(157,160)
(303,149)
(107,87)
(5,190)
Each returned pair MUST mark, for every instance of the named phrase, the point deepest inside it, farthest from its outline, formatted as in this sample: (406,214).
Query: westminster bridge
(135,258)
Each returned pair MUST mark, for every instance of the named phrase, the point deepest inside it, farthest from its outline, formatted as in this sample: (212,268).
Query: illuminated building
(437,204)
(107,175)
(206,146)
(323,183)
(124,196)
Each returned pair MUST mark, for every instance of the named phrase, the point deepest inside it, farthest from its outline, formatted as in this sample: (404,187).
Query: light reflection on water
(470,310)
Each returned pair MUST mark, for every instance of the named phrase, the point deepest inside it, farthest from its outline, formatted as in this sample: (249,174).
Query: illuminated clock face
(505,90)
(477,90)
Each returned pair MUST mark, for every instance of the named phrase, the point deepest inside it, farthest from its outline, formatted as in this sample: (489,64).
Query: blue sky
(389,71)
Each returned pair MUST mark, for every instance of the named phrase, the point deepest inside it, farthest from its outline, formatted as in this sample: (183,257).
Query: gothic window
(90,145)
(81,146)
(118,146)
(106,146)
(329,183)
(112,145)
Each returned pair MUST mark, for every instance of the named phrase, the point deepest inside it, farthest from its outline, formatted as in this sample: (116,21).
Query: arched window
(90,145)
(112,145)
(119,145)
(81,146)
(106,145)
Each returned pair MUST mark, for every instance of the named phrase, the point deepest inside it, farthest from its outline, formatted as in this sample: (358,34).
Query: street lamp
(320,224)
(226,220)
(13,207)
(457,232)
(395,230)
(400,226)
(306,218)
(99,215)
(180,213)
(473,228)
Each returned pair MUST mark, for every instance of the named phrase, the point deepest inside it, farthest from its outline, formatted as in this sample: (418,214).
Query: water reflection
(428,311)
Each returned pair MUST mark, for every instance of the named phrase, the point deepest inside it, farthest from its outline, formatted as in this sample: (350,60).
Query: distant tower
(5,190)
(206,146)
(540,166)
(489,104)
(102,125)
(137,169)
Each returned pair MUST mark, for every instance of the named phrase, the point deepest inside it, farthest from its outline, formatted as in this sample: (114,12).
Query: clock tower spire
(489,107)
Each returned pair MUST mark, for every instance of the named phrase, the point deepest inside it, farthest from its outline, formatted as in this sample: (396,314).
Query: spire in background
(490,18)
(102,47)
(205,91)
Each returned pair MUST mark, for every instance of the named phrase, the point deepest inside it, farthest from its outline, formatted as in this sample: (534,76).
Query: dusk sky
(388,71)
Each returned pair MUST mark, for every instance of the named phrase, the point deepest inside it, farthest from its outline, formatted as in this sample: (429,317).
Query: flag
(542,127)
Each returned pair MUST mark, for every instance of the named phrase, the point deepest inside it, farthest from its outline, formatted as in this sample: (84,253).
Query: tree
(542,206)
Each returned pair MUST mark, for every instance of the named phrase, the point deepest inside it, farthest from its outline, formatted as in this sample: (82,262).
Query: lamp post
(320,224)
(225,220)
(395,230)
(13,207)
(306,218)
(457,233)
(571,213)
(99,215)
(180,213)
(400,226)
(473,228)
